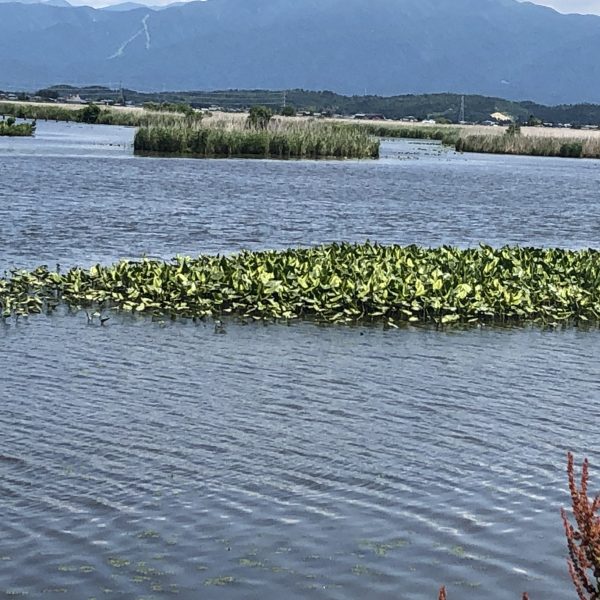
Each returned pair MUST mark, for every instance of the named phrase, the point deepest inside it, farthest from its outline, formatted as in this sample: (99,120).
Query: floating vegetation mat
(339,283)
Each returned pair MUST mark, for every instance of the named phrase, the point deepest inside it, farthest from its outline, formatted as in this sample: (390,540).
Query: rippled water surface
(146,460)
(77,199)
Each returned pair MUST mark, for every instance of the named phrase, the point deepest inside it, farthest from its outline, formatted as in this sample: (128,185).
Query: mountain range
(499,48)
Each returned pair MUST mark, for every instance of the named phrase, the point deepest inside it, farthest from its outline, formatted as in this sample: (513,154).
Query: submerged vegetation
(260,137)
(339,283)
(11,128)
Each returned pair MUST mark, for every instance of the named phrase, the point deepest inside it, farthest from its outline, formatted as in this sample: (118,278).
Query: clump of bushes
(259,117)
(571,150)
(172,107)
(11,128)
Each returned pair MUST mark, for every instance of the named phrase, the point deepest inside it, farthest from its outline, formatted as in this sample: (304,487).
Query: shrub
(513,129)
(571,150)
(259,117)
(288,111)
(90,113)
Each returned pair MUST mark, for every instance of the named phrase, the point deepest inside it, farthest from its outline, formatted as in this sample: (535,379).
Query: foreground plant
(583,540)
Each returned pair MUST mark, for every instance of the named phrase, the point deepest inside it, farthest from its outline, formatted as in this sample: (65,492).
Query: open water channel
(150,460)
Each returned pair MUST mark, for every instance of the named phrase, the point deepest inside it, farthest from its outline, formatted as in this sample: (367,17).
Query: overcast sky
(574,6)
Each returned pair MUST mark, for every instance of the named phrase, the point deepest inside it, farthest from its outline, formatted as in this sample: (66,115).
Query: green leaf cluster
(338,283)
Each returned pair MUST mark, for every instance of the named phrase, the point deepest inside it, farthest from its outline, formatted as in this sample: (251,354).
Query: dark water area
(147,459)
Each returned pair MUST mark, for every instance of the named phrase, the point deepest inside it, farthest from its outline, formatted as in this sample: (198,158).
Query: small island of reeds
(339,283)
(11,128)
(235,137)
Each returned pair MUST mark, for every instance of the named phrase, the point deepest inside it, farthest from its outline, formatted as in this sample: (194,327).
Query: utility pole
(461,114)
(284,98)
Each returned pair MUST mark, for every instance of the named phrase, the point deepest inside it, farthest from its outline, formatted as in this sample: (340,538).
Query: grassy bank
(335,284)
(10,128)
(95,114)
(565,143)
(447,134)
(567,147)
(280,139)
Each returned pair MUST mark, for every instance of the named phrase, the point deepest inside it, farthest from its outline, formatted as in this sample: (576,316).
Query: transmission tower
(461,114)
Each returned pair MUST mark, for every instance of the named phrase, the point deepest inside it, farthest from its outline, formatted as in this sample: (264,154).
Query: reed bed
(447,134)
(224,137)
(543,145)
(339,283)
(103,115)
(532,141)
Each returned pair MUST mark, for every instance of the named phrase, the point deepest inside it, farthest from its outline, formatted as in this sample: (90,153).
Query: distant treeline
(433,106)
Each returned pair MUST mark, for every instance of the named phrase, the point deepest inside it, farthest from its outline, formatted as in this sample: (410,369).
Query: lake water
(150,460)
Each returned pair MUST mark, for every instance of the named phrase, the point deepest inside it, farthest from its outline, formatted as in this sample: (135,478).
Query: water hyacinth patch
(338,283)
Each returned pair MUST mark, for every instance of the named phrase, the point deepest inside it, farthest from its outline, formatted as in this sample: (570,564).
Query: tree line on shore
(422,106)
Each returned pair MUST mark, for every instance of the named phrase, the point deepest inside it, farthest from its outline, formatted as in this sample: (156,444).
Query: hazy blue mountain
(124,6)
(494,47)
(62,3)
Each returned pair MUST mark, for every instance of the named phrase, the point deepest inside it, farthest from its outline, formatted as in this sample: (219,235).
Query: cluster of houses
(76,99)
(67,99)
(8,96)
